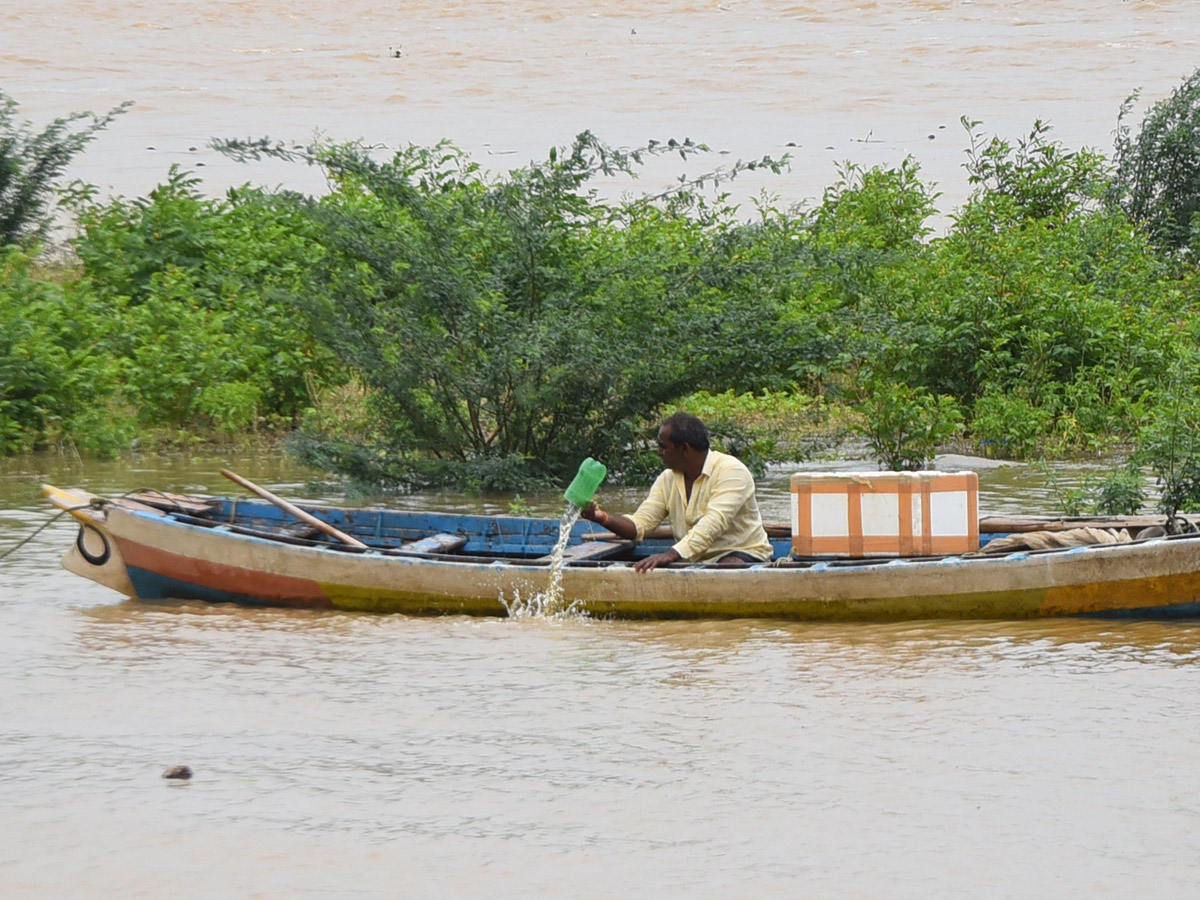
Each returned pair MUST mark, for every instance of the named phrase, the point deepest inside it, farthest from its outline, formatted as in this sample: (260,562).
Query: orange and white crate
(857,514)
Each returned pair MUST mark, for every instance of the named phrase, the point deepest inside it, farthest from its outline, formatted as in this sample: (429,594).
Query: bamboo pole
(294,510)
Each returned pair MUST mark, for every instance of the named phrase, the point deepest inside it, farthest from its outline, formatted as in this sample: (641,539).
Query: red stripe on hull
(282,590)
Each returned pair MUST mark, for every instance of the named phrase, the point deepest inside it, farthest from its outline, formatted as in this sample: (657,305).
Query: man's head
(682,439)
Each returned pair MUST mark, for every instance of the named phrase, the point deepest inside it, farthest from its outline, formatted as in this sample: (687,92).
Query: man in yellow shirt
(707,496)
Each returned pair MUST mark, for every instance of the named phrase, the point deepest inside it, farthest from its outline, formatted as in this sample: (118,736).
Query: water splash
(549,603)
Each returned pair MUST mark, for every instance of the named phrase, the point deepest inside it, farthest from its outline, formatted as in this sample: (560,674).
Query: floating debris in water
(181,773)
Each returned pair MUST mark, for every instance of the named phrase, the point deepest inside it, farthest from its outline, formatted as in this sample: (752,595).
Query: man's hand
(621,526)
(658,559)
(594,513)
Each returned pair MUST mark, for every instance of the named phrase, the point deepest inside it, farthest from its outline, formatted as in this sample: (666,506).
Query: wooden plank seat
(589,550)
(284,534)
(288,532)
(184,503)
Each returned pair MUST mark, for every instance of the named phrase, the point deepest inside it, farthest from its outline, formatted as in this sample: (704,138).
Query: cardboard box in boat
(857,514)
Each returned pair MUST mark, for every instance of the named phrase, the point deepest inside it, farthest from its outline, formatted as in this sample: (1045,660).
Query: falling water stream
(549,603)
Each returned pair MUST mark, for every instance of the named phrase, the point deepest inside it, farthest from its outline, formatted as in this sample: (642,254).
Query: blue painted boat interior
(518,536)
(499,535)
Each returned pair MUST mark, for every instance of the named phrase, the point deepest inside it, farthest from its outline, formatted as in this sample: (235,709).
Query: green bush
(1042,179)
(1009,425)
(204,285)
(31,162)
(507,327)
(1157,180)
(1121,492)
(1169,443)
(59,382)
(1048,321)
(231,407)
(904,426)
(431,323)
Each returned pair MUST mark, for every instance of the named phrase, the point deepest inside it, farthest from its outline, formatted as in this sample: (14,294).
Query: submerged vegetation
(428,322)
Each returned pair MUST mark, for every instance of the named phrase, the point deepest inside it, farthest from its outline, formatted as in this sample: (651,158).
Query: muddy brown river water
(385,756)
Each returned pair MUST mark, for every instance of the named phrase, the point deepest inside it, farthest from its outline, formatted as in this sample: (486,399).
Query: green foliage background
(428,322)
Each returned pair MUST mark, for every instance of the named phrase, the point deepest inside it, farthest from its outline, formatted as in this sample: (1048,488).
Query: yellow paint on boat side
(71,501)
(1105,596)
(984,605)
(356,599)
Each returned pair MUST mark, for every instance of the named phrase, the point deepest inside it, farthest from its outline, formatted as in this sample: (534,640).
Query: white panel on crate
(948,509)
(830,515)
(795,513)
(880,514)
(918,517)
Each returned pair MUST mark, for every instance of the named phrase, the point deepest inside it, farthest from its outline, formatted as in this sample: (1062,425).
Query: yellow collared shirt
(721,517)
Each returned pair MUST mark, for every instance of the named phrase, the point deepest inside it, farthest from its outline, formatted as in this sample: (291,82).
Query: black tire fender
(82,539)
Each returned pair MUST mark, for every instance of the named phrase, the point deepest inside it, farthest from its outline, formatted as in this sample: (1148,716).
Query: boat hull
(155,557)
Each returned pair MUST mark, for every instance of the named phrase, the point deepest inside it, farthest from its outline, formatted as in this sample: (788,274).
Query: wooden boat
(155,546)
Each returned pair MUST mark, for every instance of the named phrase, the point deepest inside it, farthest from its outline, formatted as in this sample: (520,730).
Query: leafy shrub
(507,327)
(878,209)
(430,323)
(1121,492)
(1157,180)
(1043,179)
(102,428)
(231,407)
(175,348)
(904,426)
(781,425)
(30,163)
(58,379)
(1106,405)
(204,285)
(1169,444)
(1009,425)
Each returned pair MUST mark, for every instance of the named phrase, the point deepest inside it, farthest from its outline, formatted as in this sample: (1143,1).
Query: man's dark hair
(687,429)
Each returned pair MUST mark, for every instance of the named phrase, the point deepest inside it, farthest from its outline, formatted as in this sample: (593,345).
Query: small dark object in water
(180,772)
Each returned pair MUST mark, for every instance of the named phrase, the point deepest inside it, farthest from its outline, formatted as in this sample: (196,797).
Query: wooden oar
(295,510)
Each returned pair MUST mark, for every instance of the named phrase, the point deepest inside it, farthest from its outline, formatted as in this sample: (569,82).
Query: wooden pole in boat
(294,510)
